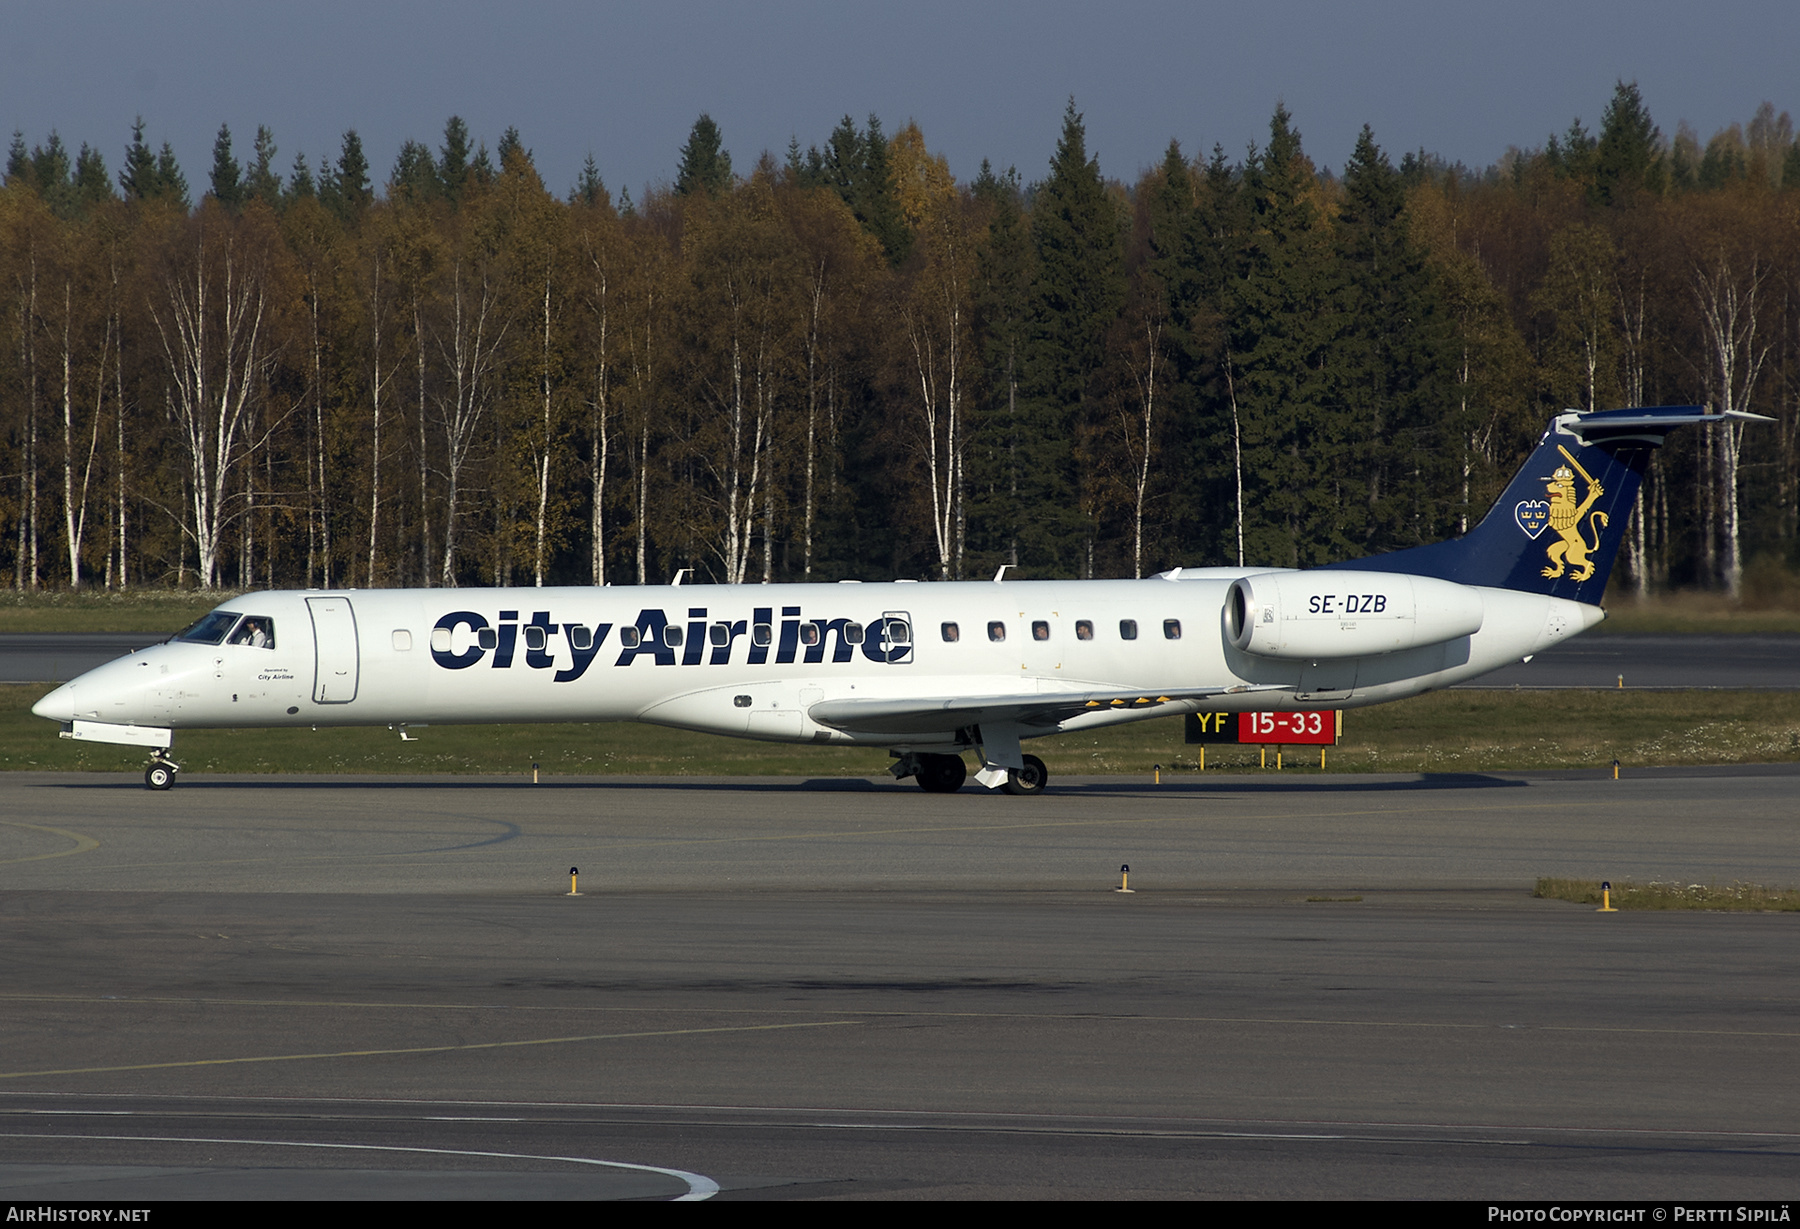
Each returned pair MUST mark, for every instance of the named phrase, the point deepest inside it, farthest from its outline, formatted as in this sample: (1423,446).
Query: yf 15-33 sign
(1268,729)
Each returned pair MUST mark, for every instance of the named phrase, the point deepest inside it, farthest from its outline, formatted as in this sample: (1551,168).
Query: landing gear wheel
(159,775)
(1029,779)
(942,774)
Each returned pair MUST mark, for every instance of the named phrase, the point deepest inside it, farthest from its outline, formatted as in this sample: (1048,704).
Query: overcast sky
(625,81)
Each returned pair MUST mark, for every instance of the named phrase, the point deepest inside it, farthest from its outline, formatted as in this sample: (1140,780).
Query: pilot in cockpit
(258,633)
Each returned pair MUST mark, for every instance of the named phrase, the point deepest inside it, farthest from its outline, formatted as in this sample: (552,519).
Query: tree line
(845,363)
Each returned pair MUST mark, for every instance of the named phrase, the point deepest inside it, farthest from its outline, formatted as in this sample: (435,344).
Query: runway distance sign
(1316,728)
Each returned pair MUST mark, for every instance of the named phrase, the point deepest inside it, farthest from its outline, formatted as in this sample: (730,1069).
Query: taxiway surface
(305,987)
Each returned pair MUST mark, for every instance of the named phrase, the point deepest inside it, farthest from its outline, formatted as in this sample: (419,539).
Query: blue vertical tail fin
(1557,527)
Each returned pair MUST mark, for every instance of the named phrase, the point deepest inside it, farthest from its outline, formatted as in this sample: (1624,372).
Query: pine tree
(415,176)
(856,165)
(227,177)
(511,144)
(300,180)
(50,176)
(1628,158)
(137,177)
(1282,323)
(263,183)
(171,184)
(1385,362)
(92,184)
(589,189)
(705,165)
(1572,157)
(481,170)
(1002,300)
(346,190)
(18,162)
(840,167)
(1076,295)
(878,204)
(453,160)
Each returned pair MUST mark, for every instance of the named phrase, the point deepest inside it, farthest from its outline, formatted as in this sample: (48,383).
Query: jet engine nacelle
(1329,613)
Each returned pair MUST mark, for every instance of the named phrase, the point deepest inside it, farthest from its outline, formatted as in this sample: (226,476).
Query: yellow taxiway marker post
(1158,768)
(1606,898)
(1125,881)
(1615,770)
(574,872)
(534,771)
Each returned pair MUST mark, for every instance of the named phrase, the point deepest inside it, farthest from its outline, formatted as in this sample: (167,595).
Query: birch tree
(213,318)
(938,317)
(743,313)
(1728,287)
(471,327)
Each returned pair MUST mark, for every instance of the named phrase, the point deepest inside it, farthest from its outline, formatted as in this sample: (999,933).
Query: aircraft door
(336,655)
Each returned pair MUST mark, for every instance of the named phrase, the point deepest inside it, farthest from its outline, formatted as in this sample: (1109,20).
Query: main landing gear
(1027,780)
(942,774)
(161,772)
(945,774)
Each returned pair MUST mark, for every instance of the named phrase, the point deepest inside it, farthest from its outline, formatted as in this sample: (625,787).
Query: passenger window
(534,638)
(809,634)
(1084,629)
(1127,629)
(899,632)
(672,635)
(952,633)
(853,633)
(719,634)
(255,631)
(1040,630)
(440,640)
(1171,629)
(580,637)
(762,634)
(402,640)
(629,637)
(488,638)
(996,631)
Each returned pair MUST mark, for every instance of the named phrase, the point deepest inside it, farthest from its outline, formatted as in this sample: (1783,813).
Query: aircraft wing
(933,714)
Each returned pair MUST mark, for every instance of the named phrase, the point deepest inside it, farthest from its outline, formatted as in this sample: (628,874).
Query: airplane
(931,671)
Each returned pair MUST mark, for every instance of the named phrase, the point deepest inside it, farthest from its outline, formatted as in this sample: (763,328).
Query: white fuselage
(754,660)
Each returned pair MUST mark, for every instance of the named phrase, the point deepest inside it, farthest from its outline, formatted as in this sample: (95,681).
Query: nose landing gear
(161,772)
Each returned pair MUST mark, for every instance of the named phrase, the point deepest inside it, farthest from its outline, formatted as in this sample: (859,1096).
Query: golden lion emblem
(1565,517)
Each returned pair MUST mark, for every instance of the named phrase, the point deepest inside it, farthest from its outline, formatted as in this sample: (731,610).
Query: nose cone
(59,705)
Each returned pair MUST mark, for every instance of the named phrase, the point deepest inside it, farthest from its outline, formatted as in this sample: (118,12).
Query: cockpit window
(255,631)
(211,629)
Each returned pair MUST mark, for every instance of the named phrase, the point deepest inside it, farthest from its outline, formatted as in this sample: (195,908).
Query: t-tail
(1557,527)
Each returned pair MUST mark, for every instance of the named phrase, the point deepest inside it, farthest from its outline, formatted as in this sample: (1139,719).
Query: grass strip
(1442,732)
(1733,898)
